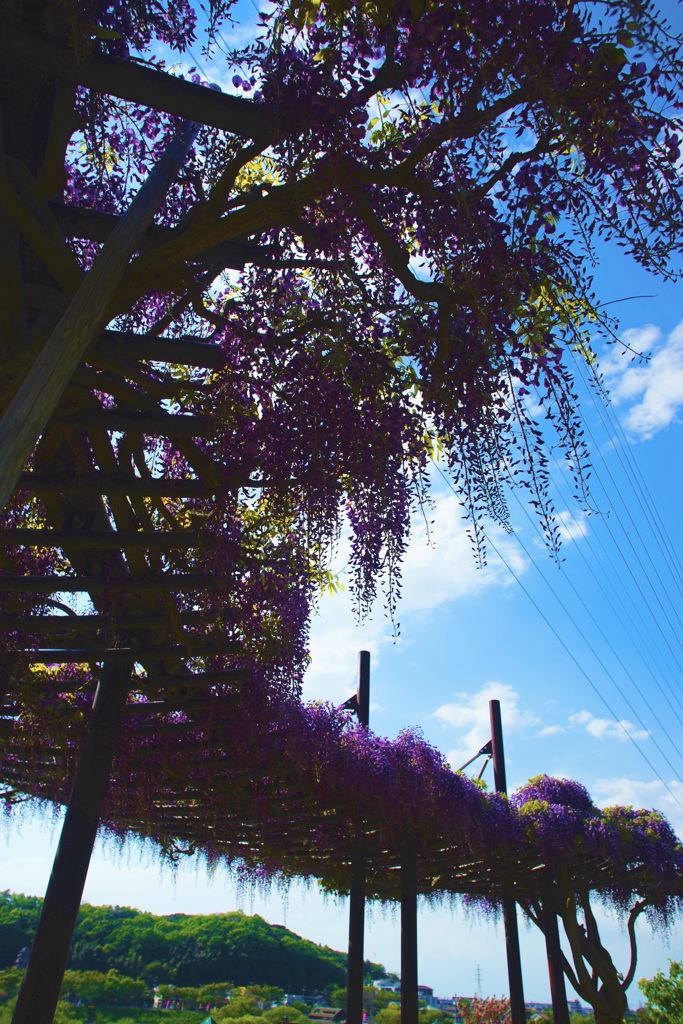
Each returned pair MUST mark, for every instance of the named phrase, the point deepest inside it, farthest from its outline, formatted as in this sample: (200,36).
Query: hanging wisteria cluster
(413,229)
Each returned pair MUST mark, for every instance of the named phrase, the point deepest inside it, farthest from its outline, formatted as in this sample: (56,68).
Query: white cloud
(550,730)
(435,571)
(469,714)
(608,728)
(656,795)
(572,525)
(652,390)
(445,569)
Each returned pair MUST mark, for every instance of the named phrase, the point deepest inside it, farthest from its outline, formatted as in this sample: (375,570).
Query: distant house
(426,993)
(387,984)
(327,1013)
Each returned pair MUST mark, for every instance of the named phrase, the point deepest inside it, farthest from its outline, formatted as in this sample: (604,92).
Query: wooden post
(514,960)
(558,992)
(354,976)
(363,692)
(409,1002)
(86,316)
(39,991)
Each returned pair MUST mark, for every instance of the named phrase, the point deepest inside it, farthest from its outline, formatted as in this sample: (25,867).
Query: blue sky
(585,658)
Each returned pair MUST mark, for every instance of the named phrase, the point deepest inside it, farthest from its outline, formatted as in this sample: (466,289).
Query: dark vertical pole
(558,992)
(39,991)
(363,692)
(354,976)
(517,1006)
(409,1005)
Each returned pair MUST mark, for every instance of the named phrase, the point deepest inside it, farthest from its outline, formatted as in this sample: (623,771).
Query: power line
(566,647)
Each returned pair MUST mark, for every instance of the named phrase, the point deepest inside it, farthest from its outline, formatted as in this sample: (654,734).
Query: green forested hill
(182,949)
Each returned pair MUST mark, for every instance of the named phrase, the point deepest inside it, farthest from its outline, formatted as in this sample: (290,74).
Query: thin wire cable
(568,650)
(635,554)
(599,659)
(647,513)
(606,411)
(619,617)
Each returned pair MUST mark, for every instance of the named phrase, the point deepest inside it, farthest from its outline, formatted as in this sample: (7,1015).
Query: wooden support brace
(355,967)
(78,222)
(514,961)
(409,996)
(42,981)
(354,972)
(86,316)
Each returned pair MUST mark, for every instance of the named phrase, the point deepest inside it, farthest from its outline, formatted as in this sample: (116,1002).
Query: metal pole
(354,976)
(409,1003)
(514,960)
(558,992)
(42,982)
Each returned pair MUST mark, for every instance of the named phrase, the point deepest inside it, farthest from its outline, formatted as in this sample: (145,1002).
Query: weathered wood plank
(183,351)
(78,656)
(49,624)
(97,585)
(163,424)
(135,82)
(103,483)
(112,539)
(96,226)
(85,318)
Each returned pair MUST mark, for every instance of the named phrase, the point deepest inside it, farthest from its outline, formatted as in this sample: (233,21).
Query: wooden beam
(96,585)
(132,81)
(103,483)
(167,729)
(81,655)
(112,539)
(40,391)
(167,707)
(188,681)
(229,675)
(162,423)
(79,623)
(183,351)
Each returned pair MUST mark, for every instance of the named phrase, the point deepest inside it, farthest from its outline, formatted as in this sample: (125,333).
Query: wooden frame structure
(166,668)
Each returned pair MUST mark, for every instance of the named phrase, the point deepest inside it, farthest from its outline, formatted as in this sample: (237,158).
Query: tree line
(182,949)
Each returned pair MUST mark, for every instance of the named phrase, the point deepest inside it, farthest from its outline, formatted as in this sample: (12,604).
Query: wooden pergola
(152,637)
